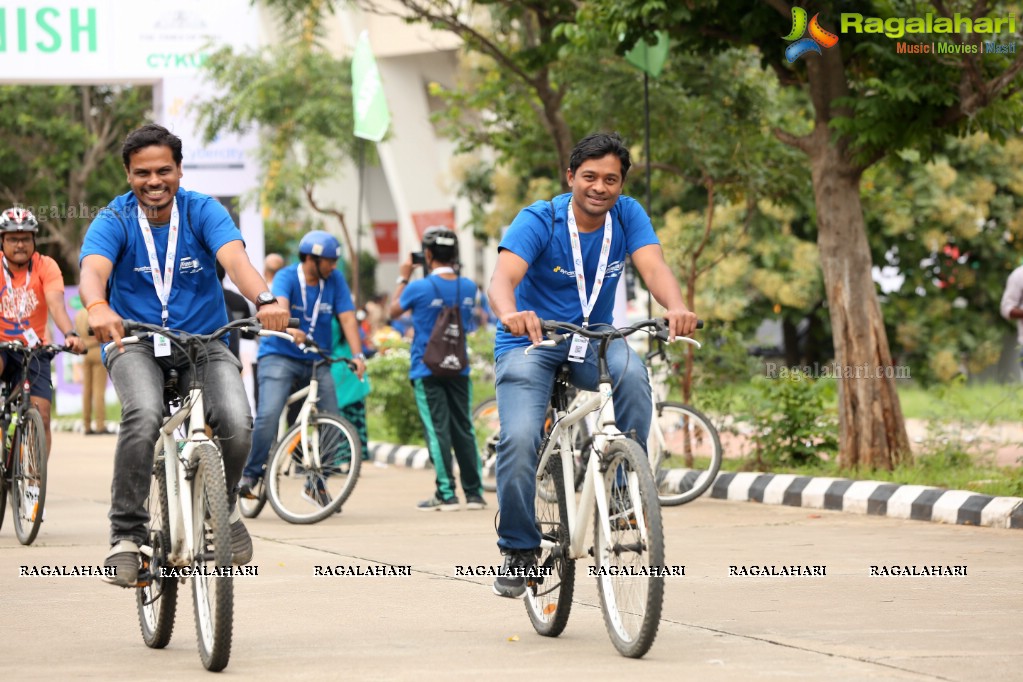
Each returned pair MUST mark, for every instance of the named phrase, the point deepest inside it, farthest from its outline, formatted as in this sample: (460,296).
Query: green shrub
(392,402)
(790,422)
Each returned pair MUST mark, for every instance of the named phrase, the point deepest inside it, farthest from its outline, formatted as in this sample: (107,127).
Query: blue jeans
(279,375)
(524,385)
(139,380)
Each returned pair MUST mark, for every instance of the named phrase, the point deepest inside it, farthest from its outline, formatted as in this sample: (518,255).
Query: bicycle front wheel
(308,479)
(487,428)
(685,453)
(28,485)
(5,476)
(549,597)
(212,584)
(629,550)
(157,598)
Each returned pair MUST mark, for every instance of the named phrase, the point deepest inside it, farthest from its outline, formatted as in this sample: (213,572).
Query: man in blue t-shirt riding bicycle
(150,256)
(314,291)
(561,260)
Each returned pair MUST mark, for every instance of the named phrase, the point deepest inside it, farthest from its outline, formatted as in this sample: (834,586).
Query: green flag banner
(372,118)
(650,58)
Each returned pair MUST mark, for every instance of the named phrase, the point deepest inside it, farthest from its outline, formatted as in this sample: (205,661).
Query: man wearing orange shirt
(32,289)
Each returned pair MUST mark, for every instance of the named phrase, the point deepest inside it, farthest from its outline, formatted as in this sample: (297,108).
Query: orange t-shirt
(20,304)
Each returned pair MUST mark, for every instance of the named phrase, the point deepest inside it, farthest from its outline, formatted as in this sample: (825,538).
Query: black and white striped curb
(876,498)
(916,502)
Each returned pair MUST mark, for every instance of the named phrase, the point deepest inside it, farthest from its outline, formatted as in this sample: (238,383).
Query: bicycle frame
(309,395)
(563,434)
(178,468)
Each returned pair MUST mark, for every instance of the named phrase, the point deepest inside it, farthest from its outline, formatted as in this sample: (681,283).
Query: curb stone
(874,498)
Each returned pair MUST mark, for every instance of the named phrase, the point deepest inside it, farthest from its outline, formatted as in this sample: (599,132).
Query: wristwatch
(402,280)
(265,298)
(359,356)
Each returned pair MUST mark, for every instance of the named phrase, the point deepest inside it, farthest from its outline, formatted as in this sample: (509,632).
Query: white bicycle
(617,492)
(313,467)
(683,445)
(189,531)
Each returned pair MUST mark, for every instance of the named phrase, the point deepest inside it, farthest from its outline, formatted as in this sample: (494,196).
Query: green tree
(867,101)
(952,228)
(60,156)
(299,96)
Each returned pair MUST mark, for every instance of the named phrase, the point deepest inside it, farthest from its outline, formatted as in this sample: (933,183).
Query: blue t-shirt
(196,302)
(422,298)
(336,299)
(548,287)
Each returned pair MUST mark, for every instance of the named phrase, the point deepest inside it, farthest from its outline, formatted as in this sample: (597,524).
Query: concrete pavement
(844,625)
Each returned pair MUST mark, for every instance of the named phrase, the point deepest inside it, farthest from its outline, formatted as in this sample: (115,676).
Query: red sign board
(427,219)
(386,234)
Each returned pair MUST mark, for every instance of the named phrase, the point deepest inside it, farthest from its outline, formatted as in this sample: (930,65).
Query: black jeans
(139,380)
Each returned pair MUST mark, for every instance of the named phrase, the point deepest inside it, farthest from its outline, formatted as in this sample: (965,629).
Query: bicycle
(618,491)
(188,532)
(683,445)
(313,467)
(23,452)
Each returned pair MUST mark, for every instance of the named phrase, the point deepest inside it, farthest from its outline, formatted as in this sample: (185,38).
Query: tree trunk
(872,428)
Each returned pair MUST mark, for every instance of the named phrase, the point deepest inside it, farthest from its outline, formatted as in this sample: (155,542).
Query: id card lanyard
(316,306)
(579,345)
(162,283)
(22,311)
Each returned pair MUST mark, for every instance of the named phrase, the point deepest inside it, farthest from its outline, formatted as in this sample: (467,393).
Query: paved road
(845,625)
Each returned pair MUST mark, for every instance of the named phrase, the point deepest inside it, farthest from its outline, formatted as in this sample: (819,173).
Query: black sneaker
(475,502)
(241,541)
(435,503)
(122,564)
(247,487)
(512,582)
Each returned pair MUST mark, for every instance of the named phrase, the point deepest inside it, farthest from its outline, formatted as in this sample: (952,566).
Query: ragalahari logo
(818,36)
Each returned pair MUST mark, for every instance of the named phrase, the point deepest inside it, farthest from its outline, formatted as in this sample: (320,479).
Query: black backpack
(445,354)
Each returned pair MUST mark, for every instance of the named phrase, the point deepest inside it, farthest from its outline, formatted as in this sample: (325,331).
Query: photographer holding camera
(443,390)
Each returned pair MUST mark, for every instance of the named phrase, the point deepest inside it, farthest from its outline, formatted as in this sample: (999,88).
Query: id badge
(577,353)
(31,338)
(161,346)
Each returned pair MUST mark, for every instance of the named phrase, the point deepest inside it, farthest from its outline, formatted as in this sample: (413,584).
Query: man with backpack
(442,306)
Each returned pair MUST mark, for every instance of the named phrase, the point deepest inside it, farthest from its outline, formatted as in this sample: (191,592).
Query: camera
(418,258)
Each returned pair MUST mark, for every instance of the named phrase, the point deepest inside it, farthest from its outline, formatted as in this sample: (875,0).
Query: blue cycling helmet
(320,244)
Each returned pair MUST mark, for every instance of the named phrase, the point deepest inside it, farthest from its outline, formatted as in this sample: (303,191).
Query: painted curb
(874,498)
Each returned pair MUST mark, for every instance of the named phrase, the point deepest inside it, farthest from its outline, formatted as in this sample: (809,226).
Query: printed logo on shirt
(562,271)
(189,265)
(18,304)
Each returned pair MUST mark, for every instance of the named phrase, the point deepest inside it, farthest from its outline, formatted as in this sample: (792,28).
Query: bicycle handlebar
(20,347)
(310,347)
(554,338)
(137,331)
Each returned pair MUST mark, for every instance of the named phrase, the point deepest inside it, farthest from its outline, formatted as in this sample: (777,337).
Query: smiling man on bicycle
(32,289)
(150,256)
(560,260)
(314,291)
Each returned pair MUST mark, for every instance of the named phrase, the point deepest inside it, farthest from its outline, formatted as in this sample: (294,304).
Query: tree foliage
(60,156)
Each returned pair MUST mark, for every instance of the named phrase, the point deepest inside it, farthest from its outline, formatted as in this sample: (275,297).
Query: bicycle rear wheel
(627,545)
(157,598)
(487,427)
(250,508)
(685,452)
(306,487)
(212,584)
(549,598)
(28,487)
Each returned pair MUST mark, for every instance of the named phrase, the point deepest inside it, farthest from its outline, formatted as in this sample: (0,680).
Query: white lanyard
(162,284)
(445,270)
(9,281)
(316,306)
(577,255)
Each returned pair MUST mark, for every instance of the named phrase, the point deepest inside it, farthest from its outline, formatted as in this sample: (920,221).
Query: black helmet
(439,236)
(18,220)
